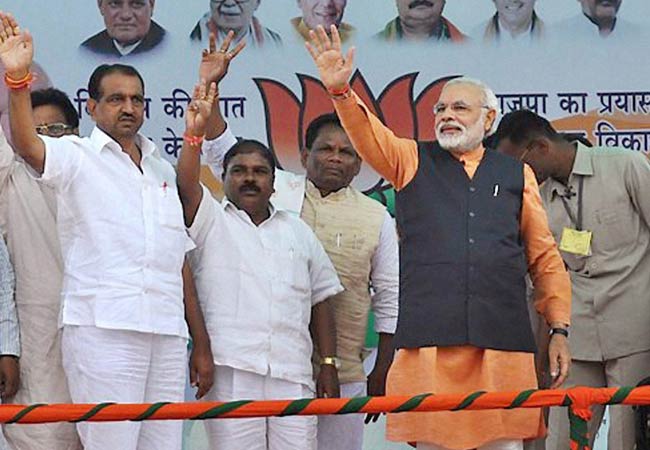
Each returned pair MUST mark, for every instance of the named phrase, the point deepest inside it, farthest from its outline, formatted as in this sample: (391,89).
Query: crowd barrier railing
(578,400)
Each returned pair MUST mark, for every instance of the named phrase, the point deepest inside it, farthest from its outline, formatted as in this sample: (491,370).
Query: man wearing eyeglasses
(599,212)
(471,226)
(237,16)
(128,304)
(28,219)
(129,28)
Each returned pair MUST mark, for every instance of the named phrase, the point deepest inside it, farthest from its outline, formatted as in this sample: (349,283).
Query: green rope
(221,409)
(22,413)
(354,405)
(521,398)
(92,412)
(411,403)
(295,407)
(620,395)
(467,401)
(150,411)
(579,431)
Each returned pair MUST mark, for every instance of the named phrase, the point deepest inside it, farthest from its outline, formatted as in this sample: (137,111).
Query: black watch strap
(563,331)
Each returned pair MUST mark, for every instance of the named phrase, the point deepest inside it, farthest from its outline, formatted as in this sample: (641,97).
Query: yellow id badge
(576,242)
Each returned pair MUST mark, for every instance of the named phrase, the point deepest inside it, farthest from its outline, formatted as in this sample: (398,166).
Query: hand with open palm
(16,47)
(199,109)
(214,64)
(335,69)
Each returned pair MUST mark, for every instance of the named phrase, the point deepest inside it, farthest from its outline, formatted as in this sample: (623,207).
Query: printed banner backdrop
(562,69)
(582,82)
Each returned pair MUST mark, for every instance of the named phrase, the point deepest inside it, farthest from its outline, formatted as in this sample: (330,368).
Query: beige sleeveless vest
(348,225)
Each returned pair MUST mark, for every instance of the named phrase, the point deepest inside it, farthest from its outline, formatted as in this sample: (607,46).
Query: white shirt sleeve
(204,219)
(9,330)
(6,158)
(63,158)
(384,278)
(214,150)
(324,280)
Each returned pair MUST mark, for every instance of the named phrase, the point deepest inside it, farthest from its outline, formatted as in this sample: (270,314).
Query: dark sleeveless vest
(462,262)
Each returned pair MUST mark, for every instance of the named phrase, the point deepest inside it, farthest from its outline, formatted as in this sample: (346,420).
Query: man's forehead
(460,92)
(118,82)
(250,158)
(330,130)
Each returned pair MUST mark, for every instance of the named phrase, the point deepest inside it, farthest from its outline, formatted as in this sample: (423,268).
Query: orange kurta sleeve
(394,158)
(550,278)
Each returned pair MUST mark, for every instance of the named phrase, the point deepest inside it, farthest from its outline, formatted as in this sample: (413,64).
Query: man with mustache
(513,19)
(358,235)
(471,227)
(264,281)
(127,295)
(601,191)
(237,16)
(322,12)
(598,18)
(421,21)
(129,28)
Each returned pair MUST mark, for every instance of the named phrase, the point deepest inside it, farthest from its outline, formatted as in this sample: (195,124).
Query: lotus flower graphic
(287,117)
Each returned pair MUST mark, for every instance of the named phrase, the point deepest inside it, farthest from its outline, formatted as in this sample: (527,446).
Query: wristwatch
(330,361)
(563,331)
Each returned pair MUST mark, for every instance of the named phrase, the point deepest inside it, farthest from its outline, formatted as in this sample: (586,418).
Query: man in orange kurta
(467,360)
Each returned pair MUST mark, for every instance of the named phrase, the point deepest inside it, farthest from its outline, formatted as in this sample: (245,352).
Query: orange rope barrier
(577,399)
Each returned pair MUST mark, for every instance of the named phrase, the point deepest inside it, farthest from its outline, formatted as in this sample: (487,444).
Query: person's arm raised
(213,68)
(189,162)
(16,54)
(394,158)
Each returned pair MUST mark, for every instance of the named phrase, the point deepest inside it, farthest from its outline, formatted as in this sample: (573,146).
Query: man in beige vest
(358,235)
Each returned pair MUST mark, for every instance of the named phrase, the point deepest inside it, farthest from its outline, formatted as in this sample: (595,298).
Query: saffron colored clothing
(464,368)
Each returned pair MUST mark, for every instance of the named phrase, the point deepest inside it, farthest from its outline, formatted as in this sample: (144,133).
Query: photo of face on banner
(421,21)
(129,30)
(237,16)
(599,18)
(325,13)
(512,20)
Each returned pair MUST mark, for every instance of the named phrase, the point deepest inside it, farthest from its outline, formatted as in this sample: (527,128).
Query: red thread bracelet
(21,83)
(193,141)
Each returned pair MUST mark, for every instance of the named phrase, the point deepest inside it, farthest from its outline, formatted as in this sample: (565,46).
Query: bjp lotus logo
(287,118)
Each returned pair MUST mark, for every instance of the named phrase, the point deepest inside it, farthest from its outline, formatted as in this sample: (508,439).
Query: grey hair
(489,98)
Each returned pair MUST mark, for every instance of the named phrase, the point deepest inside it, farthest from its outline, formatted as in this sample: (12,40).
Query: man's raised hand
(16,47)
(214,64)
(199,108)
(335,69)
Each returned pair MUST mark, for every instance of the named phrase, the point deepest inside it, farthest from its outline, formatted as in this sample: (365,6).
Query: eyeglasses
(459,108)
(54,129)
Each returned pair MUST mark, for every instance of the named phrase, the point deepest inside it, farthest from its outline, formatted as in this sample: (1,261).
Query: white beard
(469,138)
